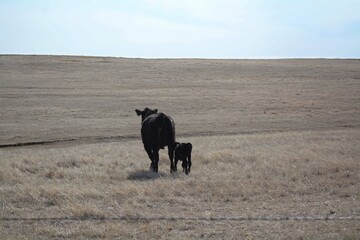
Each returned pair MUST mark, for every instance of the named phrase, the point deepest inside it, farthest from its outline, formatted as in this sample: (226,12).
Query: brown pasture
(275,148)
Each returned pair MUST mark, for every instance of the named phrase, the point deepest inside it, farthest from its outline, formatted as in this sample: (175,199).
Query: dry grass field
(276,149)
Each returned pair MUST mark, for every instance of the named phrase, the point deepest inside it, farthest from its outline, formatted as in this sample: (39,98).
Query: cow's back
(158,130)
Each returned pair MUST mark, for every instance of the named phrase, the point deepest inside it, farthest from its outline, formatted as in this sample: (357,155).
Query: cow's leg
(156,160)
(171,149)
(150,154)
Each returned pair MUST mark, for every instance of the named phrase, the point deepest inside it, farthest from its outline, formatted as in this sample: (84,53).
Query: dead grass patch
(299,173)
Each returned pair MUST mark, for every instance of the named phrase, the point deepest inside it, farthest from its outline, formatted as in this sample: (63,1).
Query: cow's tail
(170,125)
(172,131)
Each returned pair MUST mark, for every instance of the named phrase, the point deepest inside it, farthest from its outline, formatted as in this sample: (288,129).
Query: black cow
(157,131)
(183,153)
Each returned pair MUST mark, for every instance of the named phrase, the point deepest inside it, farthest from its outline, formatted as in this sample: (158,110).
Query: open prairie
(275,148)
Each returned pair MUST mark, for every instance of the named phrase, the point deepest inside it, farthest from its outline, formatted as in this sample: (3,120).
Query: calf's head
(145,113)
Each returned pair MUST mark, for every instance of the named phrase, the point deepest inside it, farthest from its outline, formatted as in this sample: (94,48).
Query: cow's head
(145,113)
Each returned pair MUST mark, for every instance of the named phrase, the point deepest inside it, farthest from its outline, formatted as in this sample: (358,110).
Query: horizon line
(185,58)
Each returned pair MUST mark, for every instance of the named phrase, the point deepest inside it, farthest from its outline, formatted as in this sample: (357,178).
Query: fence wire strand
(208,219)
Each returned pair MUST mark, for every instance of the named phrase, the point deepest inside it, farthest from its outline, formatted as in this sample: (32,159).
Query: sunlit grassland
(293,174)
(270,138)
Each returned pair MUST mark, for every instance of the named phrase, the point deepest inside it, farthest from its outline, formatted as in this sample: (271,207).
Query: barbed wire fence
(282,218)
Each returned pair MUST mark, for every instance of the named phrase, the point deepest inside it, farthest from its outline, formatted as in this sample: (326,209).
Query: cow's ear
(138,112)
(155,110)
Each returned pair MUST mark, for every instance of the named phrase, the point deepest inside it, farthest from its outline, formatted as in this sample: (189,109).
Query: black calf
(183,153)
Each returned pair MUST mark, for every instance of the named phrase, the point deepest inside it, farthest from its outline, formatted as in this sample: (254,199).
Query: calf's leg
(189,162)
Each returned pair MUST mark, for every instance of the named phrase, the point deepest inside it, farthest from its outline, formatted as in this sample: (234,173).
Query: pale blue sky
(182,28)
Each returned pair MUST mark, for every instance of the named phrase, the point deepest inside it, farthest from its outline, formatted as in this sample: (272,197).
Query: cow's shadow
(145,175)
